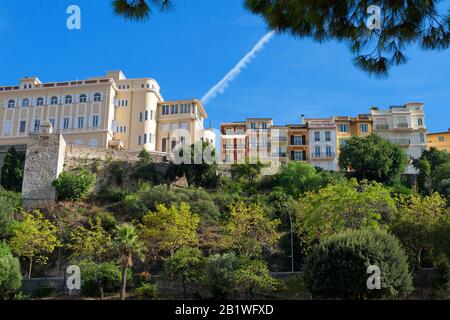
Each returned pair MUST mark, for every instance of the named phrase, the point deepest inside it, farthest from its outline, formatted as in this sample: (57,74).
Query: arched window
(83,98)
(420,122)
(40,101)
(164,145)
(54,100)
(68,100)
(25,102)
(146,115)
(11,104)
(97,97)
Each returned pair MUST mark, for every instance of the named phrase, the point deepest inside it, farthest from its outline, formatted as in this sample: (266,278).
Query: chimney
(303,119)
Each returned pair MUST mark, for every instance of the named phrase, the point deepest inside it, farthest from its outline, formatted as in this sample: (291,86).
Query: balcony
(402,125)
(326,156)
(382,126)
(401,142)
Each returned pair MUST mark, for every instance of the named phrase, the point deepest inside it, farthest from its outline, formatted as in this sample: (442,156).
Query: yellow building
(346,127)
(109,111)
(439,140)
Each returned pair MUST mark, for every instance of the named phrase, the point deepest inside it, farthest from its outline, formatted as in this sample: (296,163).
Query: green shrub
(112,194)
(10,203)
(337,268)
(147,292)
(43,292)
(20,296)
(10,277)
(105,218)
(74,186)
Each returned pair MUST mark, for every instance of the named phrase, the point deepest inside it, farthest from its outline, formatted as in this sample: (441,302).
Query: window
(299,155)
(317,151)
(264,126)
(52,122)
(343,128)
(174,109)
(97,97)
(420,122)
(22,126)
(68,100)
(145,138)
(343,142)
(11,104)
(174,143)
(165,109)
(95,121)
(146,115)
(7,128)
(83,98)
(80,122)
(139,140)
(164,145)
(298,140)
(316,136)
(66,123)
(422,138)
(165,127)
(364,128)
(329,151)
(328,136)
(151,115)
(37,125)
(174,126)
(441,139)
(54,100)
(140,117)
(25,102)
(184,125)
(40,101)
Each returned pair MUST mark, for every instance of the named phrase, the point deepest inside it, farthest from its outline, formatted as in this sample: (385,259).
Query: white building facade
(322,144)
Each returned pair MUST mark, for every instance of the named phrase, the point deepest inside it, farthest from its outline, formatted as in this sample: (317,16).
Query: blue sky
(190,49)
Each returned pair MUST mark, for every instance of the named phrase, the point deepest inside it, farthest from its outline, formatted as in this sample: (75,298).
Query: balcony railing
(382,126)
(325,156)
(402,142)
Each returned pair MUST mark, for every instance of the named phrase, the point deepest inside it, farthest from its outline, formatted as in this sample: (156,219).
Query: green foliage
(199,173)
(337,267)
(249,229)
(435,157)
(147,292)
(104,219)
(10,204)
(295,178)
(246,173)
(74,186)
(230,276)
(186,265)
(127,245)
(373,158)
(12,170)
(335,208)
(402,24)
(89,243)
(441,177)
(10,276)
(415,223)
(34,238)
(98,276)
(424,177)
(169,229)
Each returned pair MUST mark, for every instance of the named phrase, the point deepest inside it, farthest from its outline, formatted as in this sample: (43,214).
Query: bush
(337,268)
(10,203)
(10,277)
(147,292)
(104,218)
(74,186)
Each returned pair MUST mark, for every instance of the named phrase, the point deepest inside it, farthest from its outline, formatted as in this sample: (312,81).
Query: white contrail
(223,84)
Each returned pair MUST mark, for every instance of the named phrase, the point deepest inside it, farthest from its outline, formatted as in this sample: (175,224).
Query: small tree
(373,158)
(34,239)
(185,266)
(10,277)
(249,229)
(10,204)
(99,274)
(424,178)
(90,243)
(247,172)
(337,267)
(74,186)
(414,224)
(169,229)
(12,171)
(127,244)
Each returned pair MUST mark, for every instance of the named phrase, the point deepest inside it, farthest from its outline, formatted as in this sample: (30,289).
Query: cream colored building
(109,111)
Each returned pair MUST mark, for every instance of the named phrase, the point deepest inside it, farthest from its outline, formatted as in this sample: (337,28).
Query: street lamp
(292,237)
